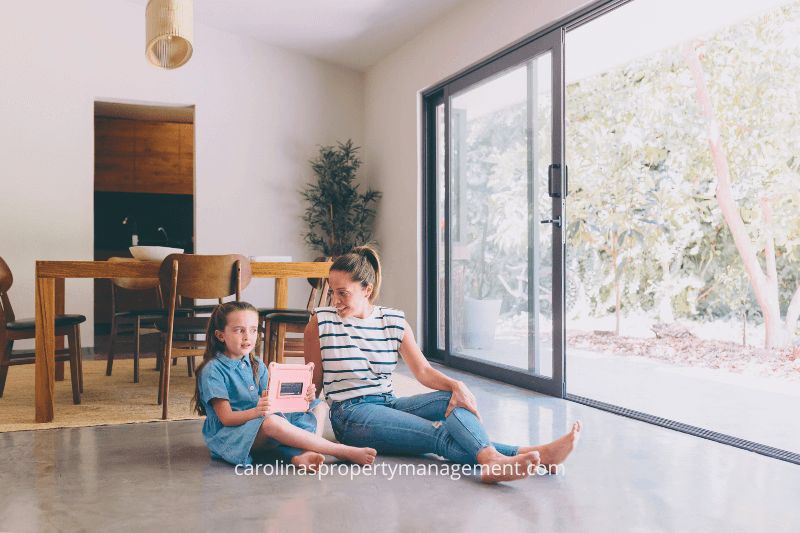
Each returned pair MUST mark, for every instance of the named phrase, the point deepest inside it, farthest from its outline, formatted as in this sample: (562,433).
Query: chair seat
(153,313)
(205,308)
(281,317)
(24,357)
(30,323)
(263,311)
(142,313)
(189,325)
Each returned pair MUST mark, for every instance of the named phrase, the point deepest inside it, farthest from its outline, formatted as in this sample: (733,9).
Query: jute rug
(114,399)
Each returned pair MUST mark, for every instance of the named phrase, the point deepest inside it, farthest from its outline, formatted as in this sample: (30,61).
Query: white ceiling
(352,33)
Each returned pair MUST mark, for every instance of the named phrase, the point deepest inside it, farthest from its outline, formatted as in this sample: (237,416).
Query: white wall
(260,114)
(392,132)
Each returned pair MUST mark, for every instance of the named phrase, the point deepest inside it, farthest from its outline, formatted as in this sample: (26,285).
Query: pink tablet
(287,387)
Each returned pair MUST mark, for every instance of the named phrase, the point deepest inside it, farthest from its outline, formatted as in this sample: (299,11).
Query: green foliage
(339,218)
(640,163)
(642,216)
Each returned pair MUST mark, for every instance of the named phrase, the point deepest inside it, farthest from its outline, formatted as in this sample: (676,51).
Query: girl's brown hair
(364,267)
(217,322)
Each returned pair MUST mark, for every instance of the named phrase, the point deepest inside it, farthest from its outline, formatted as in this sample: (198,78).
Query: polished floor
(757,408)
(624,476)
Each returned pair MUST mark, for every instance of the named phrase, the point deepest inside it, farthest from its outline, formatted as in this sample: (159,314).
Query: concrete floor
(625,476)
(756,408)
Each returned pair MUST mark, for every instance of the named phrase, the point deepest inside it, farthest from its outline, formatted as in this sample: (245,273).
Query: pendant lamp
(169,32)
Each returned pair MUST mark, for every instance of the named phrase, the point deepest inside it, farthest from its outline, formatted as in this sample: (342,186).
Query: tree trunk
(617,290)
(664,294)
(765,285)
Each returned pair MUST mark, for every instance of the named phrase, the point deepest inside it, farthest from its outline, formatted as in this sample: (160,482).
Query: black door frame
(552,42)
(437,95)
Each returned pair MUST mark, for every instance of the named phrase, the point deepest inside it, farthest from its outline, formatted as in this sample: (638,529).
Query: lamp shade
(169,32)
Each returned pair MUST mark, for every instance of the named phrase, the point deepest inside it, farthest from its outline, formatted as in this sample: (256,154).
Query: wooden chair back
(6,280)
(205,276)
(319,296)
(319,289)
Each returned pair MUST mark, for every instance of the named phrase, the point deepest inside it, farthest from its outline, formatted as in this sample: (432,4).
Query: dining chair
(14,329)
(196,277)
(134,320)
(277,323)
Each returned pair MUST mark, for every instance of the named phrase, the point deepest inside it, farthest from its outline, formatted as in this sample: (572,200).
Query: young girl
(232,393)
(355,346)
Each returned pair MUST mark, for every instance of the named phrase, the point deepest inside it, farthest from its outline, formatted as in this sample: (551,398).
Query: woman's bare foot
(496,467)
(361,456)
(308,459)
(554,453)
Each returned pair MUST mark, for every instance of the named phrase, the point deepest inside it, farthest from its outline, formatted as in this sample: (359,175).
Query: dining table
(50,276)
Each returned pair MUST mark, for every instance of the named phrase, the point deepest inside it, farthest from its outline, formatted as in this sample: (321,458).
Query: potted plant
(481,304)
(338,216)
(497,237)
(483,294)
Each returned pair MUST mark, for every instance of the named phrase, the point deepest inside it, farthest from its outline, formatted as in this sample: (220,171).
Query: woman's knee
(444,395)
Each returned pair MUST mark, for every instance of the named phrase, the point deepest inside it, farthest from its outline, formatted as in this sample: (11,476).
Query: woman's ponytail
(364,266)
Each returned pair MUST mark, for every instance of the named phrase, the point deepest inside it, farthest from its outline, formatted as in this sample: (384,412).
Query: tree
(703,218)
(765,285)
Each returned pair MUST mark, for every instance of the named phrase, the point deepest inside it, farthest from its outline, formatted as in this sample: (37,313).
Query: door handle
(556,221)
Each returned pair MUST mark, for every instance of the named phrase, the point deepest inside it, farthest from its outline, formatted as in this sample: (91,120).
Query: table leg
(59,309)
(45,348)
(281,292)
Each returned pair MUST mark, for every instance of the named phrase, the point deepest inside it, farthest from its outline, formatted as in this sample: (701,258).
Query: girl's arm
(311,350)
(432,378)
(229,417)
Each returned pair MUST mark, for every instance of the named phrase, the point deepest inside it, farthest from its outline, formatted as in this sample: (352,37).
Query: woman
(354,345)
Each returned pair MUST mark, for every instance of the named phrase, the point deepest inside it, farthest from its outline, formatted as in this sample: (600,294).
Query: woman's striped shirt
(359,354)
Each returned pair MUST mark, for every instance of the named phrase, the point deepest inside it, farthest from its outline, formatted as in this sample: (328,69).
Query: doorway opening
(143,191)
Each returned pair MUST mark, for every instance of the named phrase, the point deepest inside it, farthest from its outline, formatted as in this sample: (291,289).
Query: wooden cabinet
(142,156)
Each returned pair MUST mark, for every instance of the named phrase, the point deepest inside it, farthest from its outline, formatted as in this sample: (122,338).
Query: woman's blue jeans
(413,425)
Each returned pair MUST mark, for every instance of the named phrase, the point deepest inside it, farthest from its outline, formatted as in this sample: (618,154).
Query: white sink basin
(153,253)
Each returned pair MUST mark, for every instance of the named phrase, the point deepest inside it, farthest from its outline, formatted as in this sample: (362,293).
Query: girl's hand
(462,397)
(262,407)
(311,393)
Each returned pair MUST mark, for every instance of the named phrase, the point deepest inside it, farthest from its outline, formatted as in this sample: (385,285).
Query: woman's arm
(312,351)
(432,378)
(229,417)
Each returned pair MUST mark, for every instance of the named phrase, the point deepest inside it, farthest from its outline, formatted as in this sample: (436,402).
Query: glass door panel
(683,300)
(502,219)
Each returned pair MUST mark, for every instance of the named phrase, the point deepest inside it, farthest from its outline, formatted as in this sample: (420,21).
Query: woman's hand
(311,393)
(430,377)
(262,407)
(462,397)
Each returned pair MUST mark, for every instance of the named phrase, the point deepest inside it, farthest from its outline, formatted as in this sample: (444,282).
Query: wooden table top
(149,269)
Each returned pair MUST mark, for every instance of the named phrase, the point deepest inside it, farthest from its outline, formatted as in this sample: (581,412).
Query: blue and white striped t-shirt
(359,354)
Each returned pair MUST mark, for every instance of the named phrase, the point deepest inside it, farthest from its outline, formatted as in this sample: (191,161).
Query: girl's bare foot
(308,459)
(554,453)
(496,467)
(361,456)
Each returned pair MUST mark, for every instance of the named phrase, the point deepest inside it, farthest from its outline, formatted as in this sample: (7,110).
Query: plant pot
(480,322)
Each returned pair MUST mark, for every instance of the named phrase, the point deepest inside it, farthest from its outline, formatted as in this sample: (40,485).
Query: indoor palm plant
(338,216)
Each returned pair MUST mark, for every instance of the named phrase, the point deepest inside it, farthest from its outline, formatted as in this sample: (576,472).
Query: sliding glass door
(499,212)
(671,292)
(682,141)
